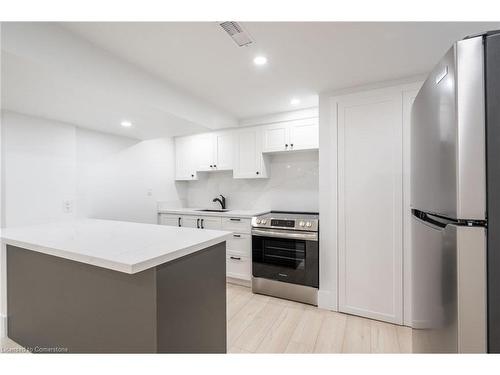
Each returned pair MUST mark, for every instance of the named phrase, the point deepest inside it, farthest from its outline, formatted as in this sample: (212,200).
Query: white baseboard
(326,300)
(3,326)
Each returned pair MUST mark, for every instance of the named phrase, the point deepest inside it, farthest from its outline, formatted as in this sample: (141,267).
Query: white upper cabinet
(185,161)
(275,137)
(241,150)
(223,150)
(213,151)
(291,136)
(304,134)
(248,158)
(203,147)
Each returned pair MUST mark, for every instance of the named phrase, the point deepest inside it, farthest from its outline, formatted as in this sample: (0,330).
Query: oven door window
(284,252)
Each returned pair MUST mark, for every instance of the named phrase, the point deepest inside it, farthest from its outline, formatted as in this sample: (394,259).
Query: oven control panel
(283,223)
(271,221)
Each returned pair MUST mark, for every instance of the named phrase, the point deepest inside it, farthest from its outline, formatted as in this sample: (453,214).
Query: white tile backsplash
(293,185)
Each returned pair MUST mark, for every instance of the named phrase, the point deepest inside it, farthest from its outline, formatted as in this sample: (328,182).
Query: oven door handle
(308,236)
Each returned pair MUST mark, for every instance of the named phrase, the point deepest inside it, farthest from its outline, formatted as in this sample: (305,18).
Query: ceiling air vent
(236,32)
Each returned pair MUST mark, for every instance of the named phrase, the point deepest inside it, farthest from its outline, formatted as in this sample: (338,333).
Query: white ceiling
(51,73)
(174,78)
(305,58)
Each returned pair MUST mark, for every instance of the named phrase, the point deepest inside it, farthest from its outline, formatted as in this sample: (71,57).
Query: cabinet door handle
(236,258)
(235,219)
(291,144)
(286,145)
(256,172)
(215,166)
(179,221)
(202,224)
(237,235)
(192,176)
(198,223)
(211,166)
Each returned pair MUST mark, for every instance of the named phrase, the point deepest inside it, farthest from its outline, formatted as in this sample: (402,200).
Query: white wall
(121,178)
(293,186)
(39,170)
(104,176)
(46,162)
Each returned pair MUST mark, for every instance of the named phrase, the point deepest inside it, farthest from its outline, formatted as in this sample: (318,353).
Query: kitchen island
(102,286)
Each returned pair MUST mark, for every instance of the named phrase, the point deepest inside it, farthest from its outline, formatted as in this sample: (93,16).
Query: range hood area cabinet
(248,157)
(203,153)
(291,136)
(242,150)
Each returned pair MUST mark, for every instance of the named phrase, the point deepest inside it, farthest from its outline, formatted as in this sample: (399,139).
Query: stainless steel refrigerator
(455,200)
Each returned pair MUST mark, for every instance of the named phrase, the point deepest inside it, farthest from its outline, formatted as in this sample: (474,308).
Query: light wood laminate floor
(262,324)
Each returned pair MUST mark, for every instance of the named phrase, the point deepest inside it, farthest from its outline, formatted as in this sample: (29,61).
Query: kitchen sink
(213,210)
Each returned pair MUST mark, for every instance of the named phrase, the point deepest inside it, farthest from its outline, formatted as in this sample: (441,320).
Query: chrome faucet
(221,200)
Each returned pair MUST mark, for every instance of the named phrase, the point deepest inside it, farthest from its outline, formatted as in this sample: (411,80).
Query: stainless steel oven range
(285,255)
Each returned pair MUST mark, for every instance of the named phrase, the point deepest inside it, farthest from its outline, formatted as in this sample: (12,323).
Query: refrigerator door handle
(433,221)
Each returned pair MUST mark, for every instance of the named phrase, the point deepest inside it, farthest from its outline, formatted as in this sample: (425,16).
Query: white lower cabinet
(171,220)
(236,224)
(207,222)
(191,221)
(238,246)
(238,266)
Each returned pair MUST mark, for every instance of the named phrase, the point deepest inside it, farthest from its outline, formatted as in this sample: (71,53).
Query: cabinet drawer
(238,266)
(240,244)
(169,219)
(236,224)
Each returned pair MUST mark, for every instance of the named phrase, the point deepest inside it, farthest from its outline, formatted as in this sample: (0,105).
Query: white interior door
(370,206)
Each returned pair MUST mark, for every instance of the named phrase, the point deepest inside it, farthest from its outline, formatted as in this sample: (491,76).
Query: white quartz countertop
(117,245)
(196,211)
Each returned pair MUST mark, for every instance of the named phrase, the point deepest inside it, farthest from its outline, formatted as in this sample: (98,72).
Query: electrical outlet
(67,206)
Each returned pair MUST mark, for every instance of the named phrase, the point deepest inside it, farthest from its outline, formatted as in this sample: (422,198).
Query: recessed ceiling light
(295,101)
(260,60)
(126,124)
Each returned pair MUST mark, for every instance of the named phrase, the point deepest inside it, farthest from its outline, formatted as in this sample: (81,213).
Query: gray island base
(59,305)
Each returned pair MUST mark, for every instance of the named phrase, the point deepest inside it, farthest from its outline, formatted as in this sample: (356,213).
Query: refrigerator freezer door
(448,136)
(448,288)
